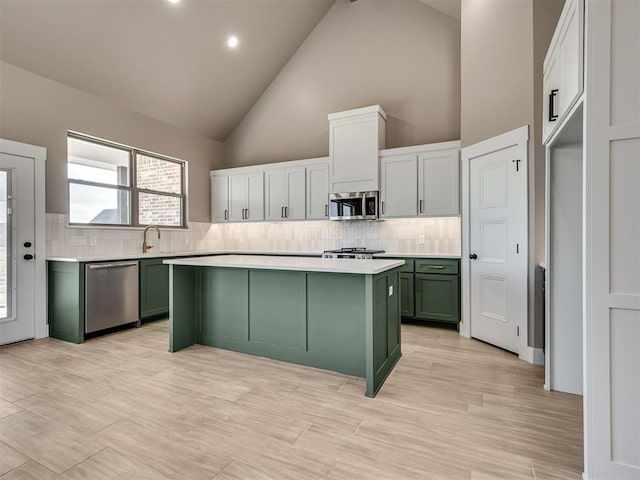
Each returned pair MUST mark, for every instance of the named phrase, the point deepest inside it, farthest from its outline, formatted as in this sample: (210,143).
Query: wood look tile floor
(122,407)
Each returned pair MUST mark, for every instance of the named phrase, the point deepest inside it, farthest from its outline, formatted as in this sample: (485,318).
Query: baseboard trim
(533,355)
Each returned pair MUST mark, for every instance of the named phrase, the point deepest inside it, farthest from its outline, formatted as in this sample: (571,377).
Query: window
(116,185)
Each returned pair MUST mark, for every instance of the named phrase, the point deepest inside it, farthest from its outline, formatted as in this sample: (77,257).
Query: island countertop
(264,262)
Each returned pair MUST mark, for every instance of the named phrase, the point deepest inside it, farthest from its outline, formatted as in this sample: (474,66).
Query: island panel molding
(344,322)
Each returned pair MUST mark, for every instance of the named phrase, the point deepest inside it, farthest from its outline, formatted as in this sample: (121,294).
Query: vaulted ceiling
(168,61)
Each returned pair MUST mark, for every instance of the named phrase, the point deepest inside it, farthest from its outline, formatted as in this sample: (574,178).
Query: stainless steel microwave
(353,206)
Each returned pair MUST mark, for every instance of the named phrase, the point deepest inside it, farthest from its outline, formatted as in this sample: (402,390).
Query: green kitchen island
(336,314)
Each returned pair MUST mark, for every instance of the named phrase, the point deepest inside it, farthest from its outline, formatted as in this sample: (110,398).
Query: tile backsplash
(65,241)
(441,236)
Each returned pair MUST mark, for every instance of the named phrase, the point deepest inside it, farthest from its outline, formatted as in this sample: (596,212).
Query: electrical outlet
(421,240)
(78,240)
(93,240)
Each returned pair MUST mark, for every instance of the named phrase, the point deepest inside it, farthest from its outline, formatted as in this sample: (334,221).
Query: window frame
(132,188)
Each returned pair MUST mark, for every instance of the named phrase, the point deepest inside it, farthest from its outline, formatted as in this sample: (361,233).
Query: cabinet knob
(27,244)
(473,256)
(28,256)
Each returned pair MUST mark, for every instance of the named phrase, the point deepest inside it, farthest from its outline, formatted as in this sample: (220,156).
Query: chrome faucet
(145,246)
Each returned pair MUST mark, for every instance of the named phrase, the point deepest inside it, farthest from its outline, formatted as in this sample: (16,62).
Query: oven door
(353,206)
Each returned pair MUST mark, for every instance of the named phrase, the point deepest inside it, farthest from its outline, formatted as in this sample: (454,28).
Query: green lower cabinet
(154,288)
(437,297)
(407,297)
(343,322)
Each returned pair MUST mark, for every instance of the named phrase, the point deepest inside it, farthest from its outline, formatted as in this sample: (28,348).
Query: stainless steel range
(360,253)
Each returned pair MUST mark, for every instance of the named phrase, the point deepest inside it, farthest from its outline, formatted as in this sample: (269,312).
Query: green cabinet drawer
(407,297)
(450,266)
(154,288)
(408,265)
(437,297)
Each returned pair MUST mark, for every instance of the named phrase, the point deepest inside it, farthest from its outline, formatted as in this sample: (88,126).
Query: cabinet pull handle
(226,214)
(383,208)
(437,267)
(286,212)
(421,205)
(326,210)
(552,102)
(246,215)
(281,212)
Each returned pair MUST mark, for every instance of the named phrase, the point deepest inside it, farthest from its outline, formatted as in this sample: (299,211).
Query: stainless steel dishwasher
(111,295)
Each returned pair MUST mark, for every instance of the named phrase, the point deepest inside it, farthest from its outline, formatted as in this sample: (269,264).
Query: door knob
(28,256)
(473,256)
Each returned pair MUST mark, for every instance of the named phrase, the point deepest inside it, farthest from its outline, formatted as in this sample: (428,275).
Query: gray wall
(402,55)
(39,111)
(503,44)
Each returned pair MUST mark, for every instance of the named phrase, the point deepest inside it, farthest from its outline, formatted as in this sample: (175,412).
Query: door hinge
(9,211)
(518,331)
(517,162)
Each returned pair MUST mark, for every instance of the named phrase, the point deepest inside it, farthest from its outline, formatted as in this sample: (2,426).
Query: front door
(498,244)
(17,251)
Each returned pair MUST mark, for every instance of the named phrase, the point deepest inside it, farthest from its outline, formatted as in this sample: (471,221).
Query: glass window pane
(94,162)
(5,247)
(157,174)
(89,204)
(159,210)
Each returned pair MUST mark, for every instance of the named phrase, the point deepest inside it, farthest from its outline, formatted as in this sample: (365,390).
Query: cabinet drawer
(437,265)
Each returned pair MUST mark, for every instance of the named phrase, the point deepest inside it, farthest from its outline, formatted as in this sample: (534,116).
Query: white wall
(39,111)
(401,54)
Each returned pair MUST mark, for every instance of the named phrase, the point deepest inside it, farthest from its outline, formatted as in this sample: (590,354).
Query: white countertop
(136,256)
(306,264)
(415,255)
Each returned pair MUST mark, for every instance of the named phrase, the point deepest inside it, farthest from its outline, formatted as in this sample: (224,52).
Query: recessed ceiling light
(232,41)
(174,1)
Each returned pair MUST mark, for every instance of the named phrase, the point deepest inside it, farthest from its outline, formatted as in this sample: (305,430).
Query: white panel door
(296,194)
(219,198)
(612,241)
(439,183)
(17,248)
(275,190)
(318,192)
(399,186)
(498,246)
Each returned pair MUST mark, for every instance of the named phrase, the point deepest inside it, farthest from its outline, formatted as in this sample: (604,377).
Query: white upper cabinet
(563,67)
(422,181)
(355,137)
(285,194)
(439,183)
(246,197)
(399,186)
(219,198)
(318,192)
